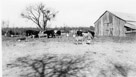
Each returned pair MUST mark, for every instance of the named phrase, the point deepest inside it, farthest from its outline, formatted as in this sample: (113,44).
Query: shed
(115,24)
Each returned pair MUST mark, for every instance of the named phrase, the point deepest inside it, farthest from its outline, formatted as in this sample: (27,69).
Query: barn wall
(115,26)
(122,28)
(104,21)
(106,24)
(102,27)
(109,25)
(118,27)
(96,29)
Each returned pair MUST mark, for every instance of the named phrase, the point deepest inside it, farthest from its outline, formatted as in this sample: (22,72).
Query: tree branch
(39,14)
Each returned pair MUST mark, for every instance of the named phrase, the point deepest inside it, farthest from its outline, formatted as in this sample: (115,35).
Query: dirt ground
(104,53)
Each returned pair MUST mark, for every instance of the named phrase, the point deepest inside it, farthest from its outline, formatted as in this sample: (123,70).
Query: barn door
(110,30)
(106,26)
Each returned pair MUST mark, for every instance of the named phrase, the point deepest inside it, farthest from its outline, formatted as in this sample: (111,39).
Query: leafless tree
(50,66)
(39,14)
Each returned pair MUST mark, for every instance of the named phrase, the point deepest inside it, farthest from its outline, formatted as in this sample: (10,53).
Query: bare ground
(103,53)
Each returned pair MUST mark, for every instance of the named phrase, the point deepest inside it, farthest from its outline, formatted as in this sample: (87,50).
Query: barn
(115,24)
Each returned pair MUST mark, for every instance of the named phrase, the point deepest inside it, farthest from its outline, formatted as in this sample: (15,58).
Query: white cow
(41,34)
(87,37)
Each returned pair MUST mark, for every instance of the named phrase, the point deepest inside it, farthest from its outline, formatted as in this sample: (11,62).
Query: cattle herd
(79,35)
(47,33)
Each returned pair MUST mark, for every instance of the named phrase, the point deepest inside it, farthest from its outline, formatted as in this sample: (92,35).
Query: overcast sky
(71,12)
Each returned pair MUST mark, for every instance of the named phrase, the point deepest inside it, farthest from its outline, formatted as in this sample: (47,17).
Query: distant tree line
(15,31)
(21,31)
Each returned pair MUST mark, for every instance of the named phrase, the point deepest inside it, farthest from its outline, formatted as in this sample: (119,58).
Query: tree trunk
(45,24)
(39,26)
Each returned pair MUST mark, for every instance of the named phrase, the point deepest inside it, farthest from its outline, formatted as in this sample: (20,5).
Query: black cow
(35,33)
(29,32)
(79,33)
(50,33)
(32,33)
(58,33)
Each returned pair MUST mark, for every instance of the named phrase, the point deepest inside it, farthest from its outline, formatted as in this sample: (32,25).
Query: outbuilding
(115,24)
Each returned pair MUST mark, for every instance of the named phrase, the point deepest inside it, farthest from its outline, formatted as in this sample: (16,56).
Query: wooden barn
(115,24)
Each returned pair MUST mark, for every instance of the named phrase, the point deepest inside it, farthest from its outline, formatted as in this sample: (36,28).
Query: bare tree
(50,66)
(39,14)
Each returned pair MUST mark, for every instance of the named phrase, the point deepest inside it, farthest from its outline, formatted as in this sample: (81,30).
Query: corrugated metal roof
(125,16)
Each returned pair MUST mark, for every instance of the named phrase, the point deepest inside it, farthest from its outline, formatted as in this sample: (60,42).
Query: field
(106,54)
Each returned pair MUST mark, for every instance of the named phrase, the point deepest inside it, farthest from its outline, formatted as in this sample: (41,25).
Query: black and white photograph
(68,38)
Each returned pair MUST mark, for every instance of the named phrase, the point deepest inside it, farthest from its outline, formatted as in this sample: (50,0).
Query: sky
(72,13)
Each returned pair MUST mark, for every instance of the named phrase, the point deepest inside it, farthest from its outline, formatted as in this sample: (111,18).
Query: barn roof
(125,16)
(131,25)
(130,19)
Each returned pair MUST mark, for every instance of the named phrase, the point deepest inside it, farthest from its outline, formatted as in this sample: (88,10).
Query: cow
(84,36)
(35,33)
(92,33)
(42,34)
(79,33)
(58,33)
(89,36)
(32,33)
(50,33)
(29,32)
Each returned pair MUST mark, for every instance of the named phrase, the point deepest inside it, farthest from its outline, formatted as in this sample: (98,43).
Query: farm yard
(70,51)
(68,38)
(107,57)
